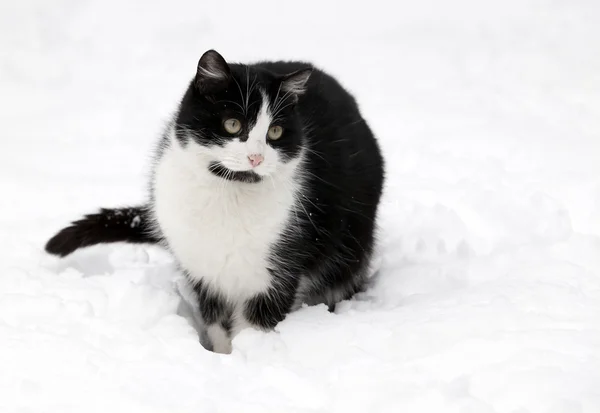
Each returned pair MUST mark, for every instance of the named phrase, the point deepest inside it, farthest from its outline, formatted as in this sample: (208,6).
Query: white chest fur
(220,231)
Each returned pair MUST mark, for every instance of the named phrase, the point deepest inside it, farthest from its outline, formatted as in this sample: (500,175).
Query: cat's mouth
(217,168)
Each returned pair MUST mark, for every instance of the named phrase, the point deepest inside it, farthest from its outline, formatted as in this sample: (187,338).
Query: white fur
(209,66)
(296,84)
(234,155)
(220,341)
(221,231)
(216,74)
(257,137)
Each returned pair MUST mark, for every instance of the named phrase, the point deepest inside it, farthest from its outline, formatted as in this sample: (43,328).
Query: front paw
(266,310)
(216,339)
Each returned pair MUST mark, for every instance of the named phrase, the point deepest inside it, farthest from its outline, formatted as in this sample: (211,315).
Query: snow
(488,298)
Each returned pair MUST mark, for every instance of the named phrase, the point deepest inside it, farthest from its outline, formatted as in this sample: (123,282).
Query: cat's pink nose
(255,159)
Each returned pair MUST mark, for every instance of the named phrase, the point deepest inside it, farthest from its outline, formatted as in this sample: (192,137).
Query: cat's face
(242,119)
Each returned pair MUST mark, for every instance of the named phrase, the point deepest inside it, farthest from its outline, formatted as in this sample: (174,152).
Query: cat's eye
(232,126)
(275,132)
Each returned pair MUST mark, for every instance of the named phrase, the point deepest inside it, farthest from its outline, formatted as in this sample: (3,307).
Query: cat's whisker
(295,197)
(272,181)
(223,193)
(283,98)
(241,94)
(253,84)
(280,109)
(277,94)
(322,180)
(247,89)
(235,103)
(316,153)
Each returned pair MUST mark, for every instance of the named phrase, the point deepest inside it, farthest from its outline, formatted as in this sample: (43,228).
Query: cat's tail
(132,224)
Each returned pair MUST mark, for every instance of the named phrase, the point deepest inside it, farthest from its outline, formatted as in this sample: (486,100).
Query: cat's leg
(219,337)
(223,320)
(265,310)
(216,313)
(262,312)
(329,293)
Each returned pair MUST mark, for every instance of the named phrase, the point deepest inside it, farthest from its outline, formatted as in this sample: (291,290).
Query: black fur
(109,225)
(213,306)
(345,178)
(324,256)
(241,176)
(267,309)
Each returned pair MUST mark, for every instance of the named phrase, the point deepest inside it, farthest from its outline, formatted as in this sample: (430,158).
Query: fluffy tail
(109,225)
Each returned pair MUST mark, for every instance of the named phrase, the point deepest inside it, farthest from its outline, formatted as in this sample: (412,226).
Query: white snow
(489,295)
(135,221)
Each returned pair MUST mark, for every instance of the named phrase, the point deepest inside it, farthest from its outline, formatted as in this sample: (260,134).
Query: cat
(265,187)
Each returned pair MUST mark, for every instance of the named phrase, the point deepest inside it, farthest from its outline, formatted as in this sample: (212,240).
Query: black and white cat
(265,188)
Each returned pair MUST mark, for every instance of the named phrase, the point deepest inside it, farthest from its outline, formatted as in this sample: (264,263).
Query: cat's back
(334,126)
(344,172)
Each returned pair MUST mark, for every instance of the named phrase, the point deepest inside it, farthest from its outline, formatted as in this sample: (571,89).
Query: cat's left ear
(296,82)
(213,73)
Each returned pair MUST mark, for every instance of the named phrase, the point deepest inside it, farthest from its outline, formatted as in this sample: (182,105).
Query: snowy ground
(489,295)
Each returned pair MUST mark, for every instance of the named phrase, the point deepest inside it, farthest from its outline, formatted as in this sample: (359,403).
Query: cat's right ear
(213,73)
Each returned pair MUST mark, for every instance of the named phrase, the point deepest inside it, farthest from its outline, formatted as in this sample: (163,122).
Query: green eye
(232,126)
(275,132)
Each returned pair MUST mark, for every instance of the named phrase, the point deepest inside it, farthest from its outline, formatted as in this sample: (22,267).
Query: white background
(488,299)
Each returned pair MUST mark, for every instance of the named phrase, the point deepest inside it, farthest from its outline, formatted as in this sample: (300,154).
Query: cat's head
(242,119)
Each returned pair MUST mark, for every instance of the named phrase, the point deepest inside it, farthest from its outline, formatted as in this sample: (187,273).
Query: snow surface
(488,299)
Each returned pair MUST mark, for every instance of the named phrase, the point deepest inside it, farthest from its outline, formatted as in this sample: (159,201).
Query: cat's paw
(220,341)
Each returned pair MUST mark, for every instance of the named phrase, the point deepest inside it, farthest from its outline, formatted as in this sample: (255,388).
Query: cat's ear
(296,82)
(213,73)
